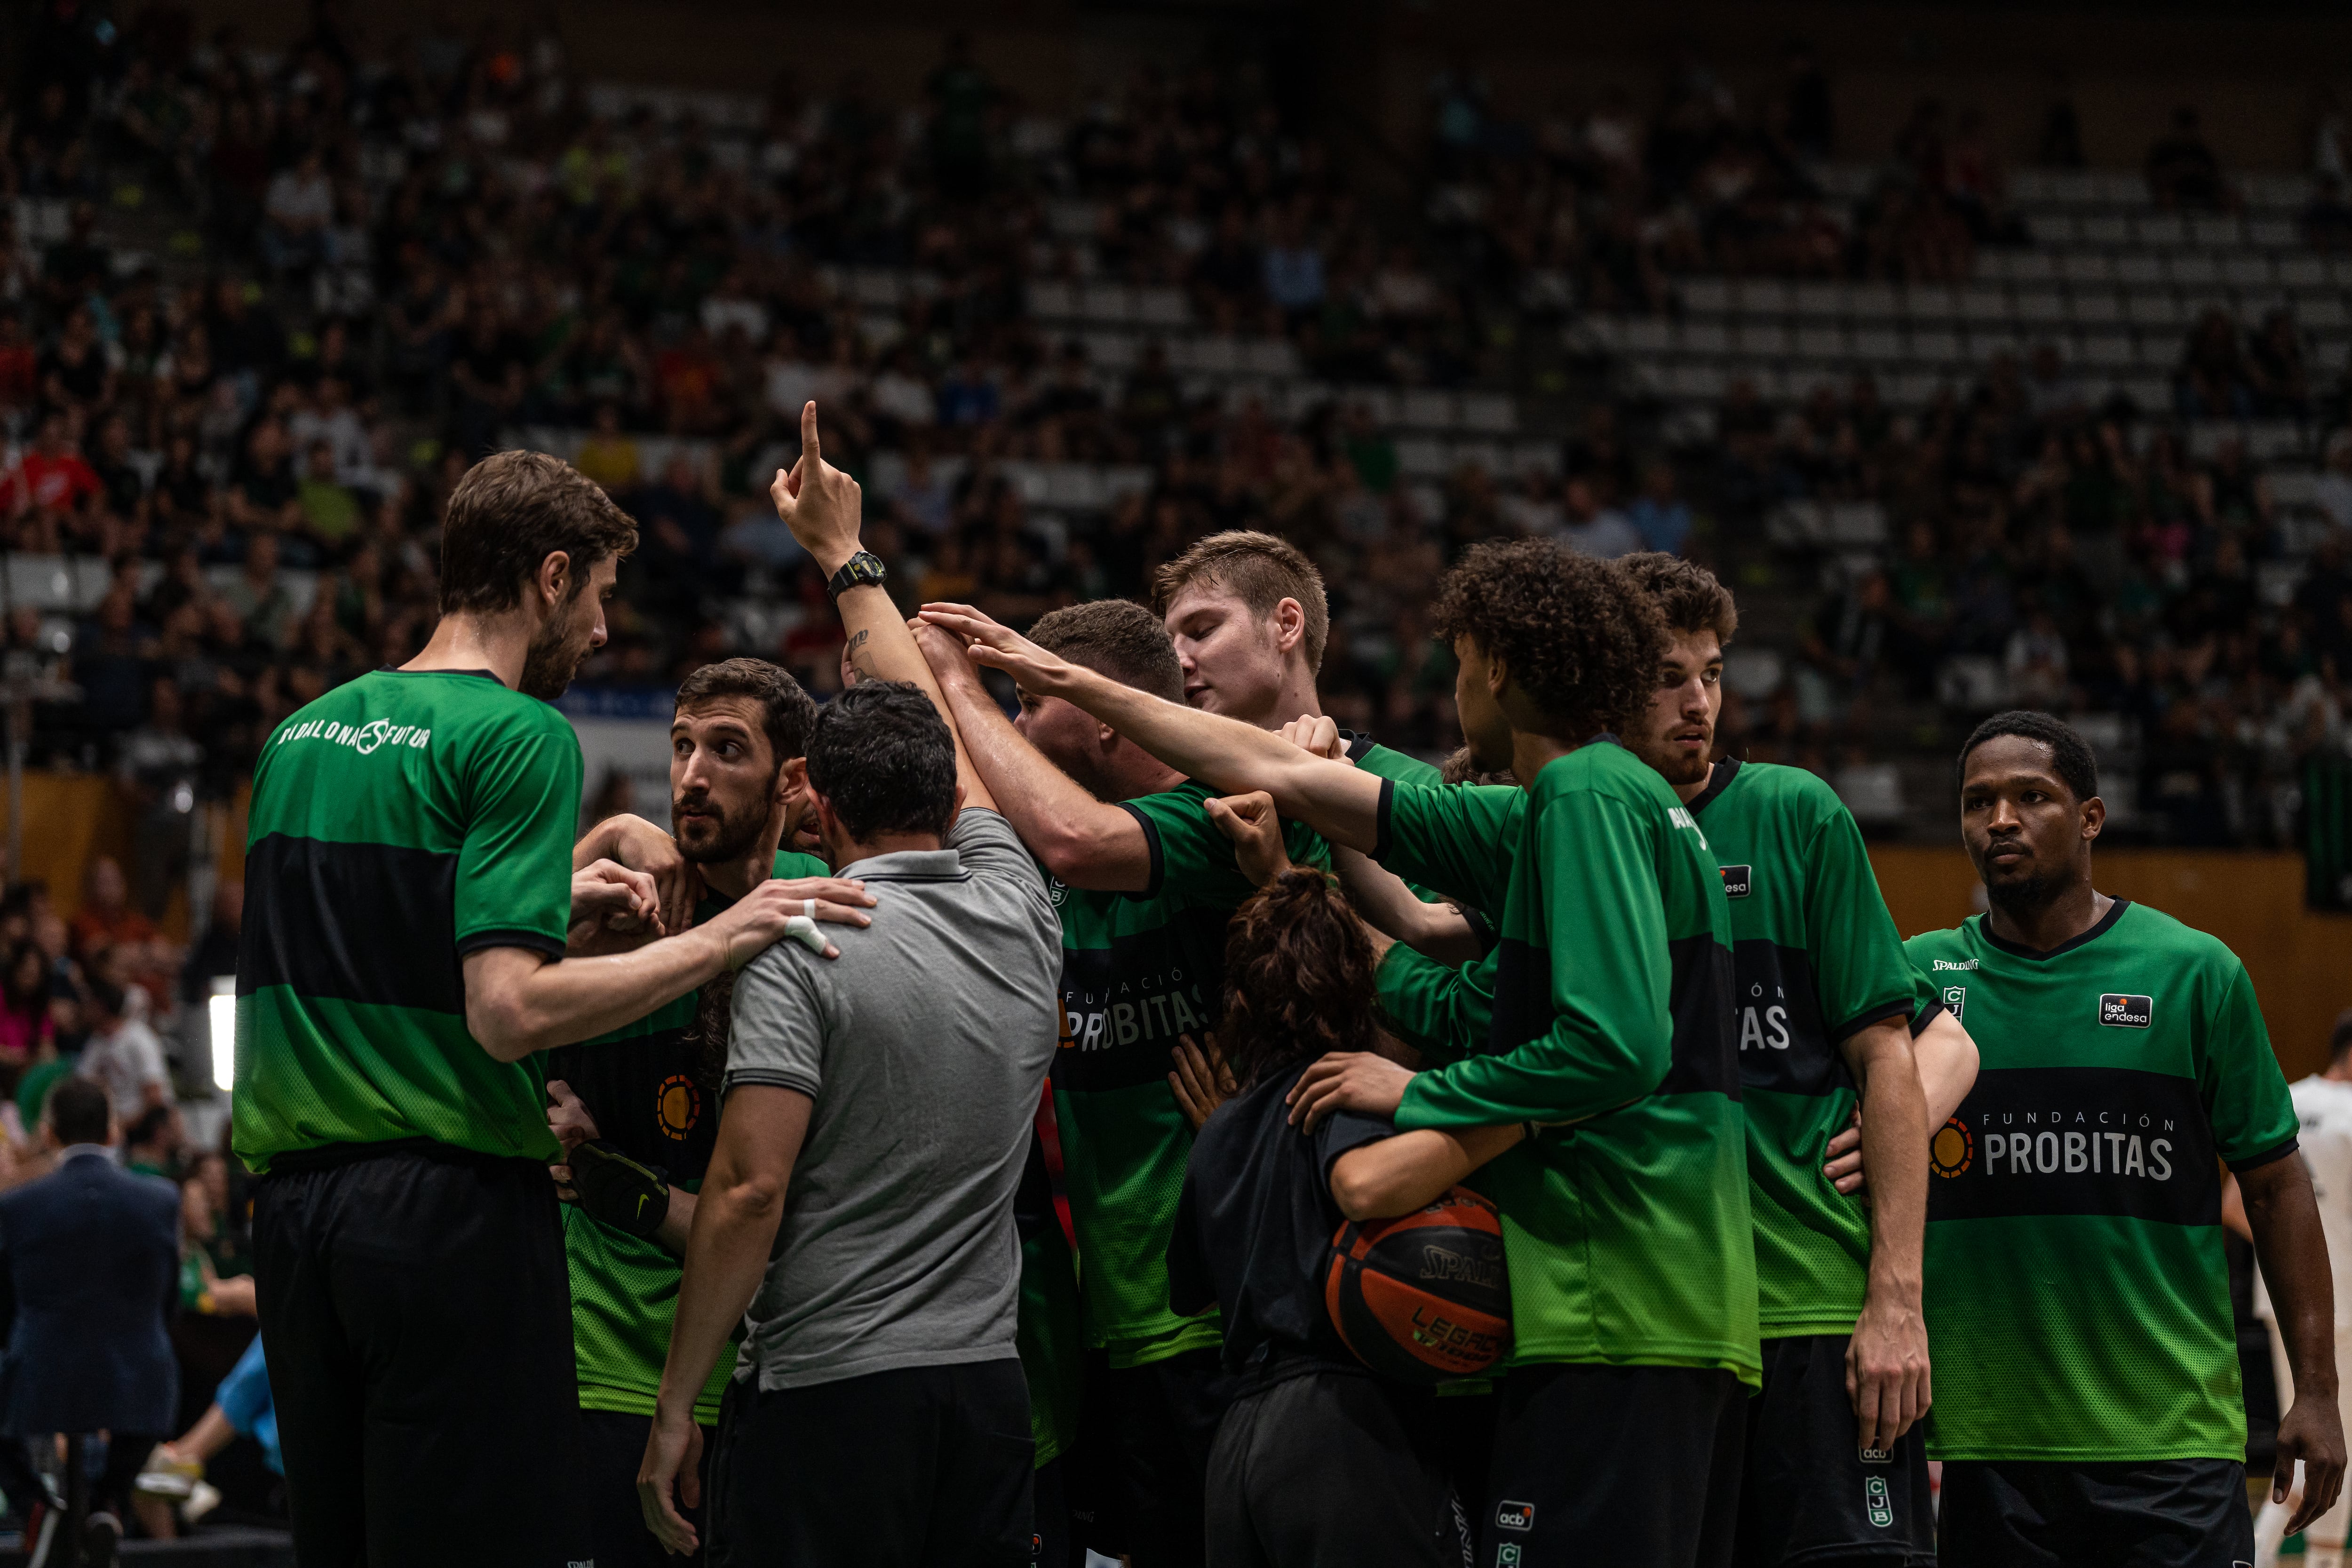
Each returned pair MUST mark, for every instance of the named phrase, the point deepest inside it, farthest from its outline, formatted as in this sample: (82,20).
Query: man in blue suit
(90,1266)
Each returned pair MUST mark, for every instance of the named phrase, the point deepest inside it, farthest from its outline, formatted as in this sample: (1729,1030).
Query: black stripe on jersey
(2077,1141)
(1150,889)
(358,923)
(1705,1056)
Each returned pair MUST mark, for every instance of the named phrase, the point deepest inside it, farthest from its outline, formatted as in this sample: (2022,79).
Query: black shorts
(925,1467)
(417,1322)
(2171,1513)
(1614,1464)
(1332,1467)
(1807,1495)
(1156,1424)
(614,1444)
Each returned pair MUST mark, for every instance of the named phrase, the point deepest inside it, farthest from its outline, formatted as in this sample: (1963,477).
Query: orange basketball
(1422,1298)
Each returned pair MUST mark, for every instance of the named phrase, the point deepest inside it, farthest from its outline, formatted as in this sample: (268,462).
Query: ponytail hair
(1299,978)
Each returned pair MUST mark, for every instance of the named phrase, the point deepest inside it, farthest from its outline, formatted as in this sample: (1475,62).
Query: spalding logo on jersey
(2127,1012)
(678,1106)
(1736,880)
(1953,1149)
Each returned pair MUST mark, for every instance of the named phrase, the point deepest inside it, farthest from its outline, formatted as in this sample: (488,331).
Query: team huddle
(979,1140)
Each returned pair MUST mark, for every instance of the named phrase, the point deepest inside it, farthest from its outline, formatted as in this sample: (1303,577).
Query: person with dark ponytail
(1316,1459)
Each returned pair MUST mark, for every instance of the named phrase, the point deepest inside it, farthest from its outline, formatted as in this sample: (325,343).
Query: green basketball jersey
(653,1087)
(1138,970)
(1625,1222)
(2077,1299)
(1815,956)
(1446,1010)
(400,821)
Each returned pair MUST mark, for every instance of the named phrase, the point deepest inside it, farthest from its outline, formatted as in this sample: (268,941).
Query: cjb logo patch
(1515,1516)
(2127,1012)
(1737,880)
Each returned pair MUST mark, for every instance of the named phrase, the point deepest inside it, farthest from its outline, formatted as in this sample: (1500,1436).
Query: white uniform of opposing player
(2323,1106)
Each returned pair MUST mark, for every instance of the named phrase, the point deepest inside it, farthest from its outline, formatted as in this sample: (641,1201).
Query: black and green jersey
(1048,1333)
(1446,1010)
(653,1087)
(1815,956)
(2078,1302)
(1626,1221)
(399,823)
(1387,761)
(1138,970)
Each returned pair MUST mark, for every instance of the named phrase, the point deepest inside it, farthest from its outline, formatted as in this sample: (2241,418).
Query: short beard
(2022,896)
(550,662)
(734,841)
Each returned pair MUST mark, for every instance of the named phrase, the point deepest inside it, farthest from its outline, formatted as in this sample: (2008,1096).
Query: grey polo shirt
(924,1047)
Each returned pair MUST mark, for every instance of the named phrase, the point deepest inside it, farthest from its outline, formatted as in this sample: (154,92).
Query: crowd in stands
(417,248)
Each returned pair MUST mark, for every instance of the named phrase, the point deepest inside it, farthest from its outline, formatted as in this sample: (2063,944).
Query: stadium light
(221,1010)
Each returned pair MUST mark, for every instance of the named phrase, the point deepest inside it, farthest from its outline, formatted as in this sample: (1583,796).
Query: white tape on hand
(802,930)
(810,910)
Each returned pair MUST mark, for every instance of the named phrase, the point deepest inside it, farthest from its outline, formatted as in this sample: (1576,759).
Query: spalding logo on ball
(1422,1298)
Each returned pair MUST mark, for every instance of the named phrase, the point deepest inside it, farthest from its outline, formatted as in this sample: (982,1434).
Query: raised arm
(1086,842)
(822,507)
(1339,802)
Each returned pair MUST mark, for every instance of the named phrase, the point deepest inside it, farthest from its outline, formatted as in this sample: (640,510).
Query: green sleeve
(1444,1010)
(1459,839)
(1859,970)
(1610,1037)
(514,871)
(1192,858)
(792,863)
(2238,1076)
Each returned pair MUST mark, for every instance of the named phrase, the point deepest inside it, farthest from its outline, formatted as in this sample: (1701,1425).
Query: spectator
(2333,491)
(2182,170)
(26,1029)
(241,1407)
(150,1144)
(107,917)
(123,1056)
(1591,529)
(2213,382)
(1659,514)
(258,596)
(608,457)
(299,204)
(89,1279)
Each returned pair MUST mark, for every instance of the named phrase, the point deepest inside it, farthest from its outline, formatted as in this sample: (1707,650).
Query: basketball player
(2087,1405)
(1623,1407)
(409,890)
(1825,1003)
(638,1109)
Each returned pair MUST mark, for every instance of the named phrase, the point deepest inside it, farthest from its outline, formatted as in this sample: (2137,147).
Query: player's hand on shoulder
(1362,1081)
(1250,822)
(1000,647)
(765,915)
(834,900)
(1320,735)
(817,501)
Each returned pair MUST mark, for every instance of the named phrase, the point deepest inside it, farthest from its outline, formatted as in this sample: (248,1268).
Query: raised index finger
(811,453)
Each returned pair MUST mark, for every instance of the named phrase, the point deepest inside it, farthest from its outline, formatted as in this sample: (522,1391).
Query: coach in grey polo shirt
(880,1414)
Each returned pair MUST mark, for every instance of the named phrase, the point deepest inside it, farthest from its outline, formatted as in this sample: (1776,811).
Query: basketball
(1422,1298)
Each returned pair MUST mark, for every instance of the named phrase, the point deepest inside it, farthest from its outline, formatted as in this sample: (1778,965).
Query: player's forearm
(1894,1152)
(517,1002)
(1446,1011)
(1946,1061)
(1338,801)
(882,648)
(726,1258)
(1084,841)
(1388,907)
(1412,1170)
(2283,1214)
(1568,1074)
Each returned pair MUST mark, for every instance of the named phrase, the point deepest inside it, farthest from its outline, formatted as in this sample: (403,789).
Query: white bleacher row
(2268,192)
(2142,291)
(66,586)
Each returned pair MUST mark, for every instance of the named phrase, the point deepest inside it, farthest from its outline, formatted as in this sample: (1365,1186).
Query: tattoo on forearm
(857,654)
